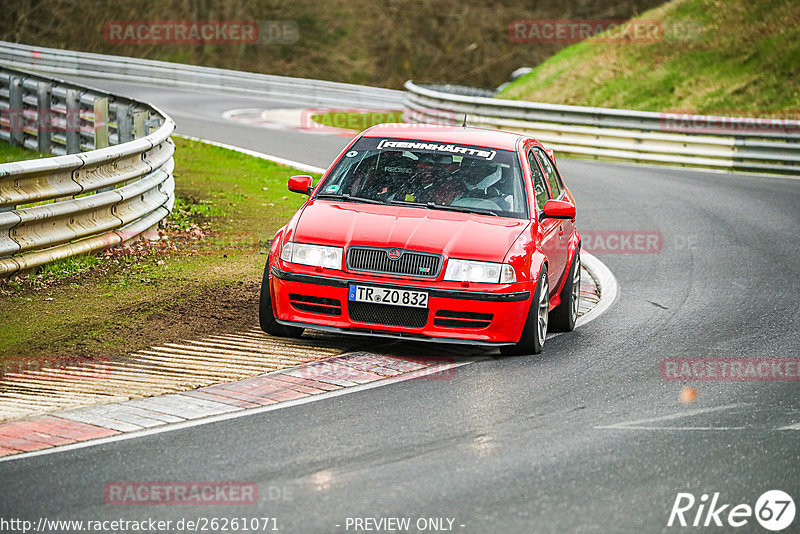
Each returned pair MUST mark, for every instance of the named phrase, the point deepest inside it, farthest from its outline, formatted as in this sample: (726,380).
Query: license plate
(394,297)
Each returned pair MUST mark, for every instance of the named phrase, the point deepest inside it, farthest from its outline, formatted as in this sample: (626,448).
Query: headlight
(313,255)
(479,271)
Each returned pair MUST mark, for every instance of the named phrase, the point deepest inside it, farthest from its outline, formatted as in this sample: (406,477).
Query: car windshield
(430,175)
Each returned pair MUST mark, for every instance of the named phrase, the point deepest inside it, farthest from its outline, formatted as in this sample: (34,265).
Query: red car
(435,233)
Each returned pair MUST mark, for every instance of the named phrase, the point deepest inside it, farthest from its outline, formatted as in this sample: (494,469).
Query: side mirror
(301,184)
(557,209)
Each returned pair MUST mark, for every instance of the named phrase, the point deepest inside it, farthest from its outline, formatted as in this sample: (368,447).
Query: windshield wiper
(348,198)
(407,203)
(432,206)
(479,211)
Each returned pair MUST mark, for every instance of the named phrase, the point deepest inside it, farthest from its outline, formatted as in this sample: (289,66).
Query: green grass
(68,267)
(355,120)
(240,192)
(729,57)
(185,213)
(10,154)
(59,270)
(109,304)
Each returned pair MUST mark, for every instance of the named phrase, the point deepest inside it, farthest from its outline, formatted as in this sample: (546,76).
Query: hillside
(723,56)
(375,42)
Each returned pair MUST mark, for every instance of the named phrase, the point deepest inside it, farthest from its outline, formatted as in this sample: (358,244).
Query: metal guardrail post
(16,116)
(100,122)
(72,132)
(152,125)
(139,119)
(45,116)
(125,123)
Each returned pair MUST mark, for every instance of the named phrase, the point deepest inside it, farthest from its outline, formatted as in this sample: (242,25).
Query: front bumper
(475,316)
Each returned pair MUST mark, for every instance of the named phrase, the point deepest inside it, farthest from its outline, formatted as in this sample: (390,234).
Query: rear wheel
(266,318)
(534,332)
(564,316)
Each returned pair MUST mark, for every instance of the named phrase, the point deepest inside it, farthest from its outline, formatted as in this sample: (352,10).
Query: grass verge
(356,121)
(202,276)
(10,154)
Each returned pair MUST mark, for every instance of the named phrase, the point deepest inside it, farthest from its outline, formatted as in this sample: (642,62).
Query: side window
(550,171)
(538,181)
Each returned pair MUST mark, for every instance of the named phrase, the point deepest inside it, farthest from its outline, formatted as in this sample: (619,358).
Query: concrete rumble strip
(213,376)
(103,420)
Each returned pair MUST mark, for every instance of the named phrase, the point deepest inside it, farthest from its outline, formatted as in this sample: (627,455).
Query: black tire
(534,332)
(562,319)
(266,318)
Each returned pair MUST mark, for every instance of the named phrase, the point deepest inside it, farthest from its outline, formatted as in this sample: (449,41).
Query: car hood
(455,234)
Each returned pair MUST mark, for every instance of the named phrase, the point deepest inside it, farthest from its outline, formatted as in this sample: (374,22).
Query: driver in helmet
(482,180)
(431,182)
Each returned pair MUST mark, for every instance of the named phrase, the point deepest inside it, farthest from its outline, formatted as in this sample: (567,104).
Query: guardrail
(634,136)
(112,182)
(285,89)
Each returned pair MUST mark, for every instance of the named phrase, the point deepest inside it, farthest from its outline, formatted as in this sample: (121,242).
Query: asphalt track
(585,438)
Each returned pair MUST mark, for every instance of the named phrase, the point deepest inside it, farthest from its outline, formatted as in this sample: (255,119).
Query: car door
(568,225)
(548,238)
(557,191)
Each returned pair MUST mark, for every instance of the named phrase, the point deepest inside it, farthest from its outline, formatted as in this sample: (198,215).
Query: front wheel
(266,317)
(564,316)
(534,332)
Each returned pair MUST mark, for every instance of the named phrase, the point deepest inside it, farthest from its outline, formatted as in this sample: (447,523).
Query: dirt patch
(220,310)
(194,313)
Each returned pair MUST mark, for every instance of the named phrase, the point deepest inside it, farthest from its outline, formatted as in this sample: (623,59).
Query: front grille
(377,260)
(461,319)
(314,304)
(385,314)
